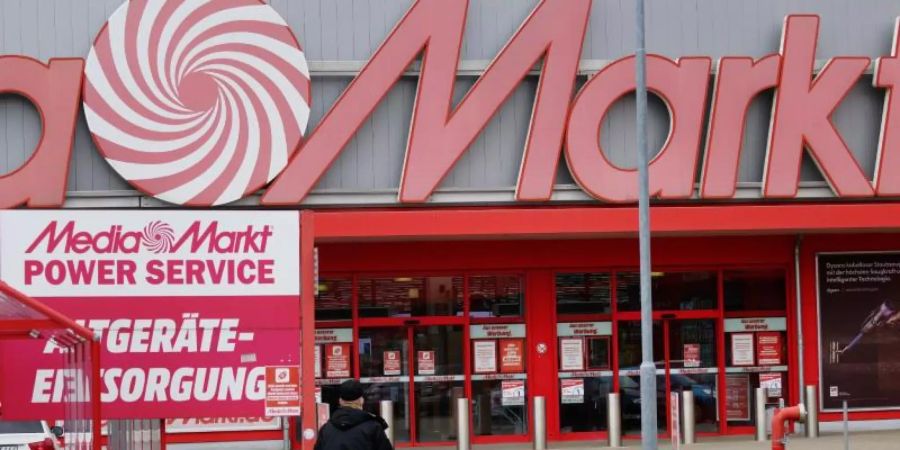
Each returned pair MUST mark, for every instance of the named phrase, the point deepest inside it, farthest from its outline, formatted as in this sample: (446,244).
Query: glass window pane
(583,293)
(587,413)
(672,291)
(496,296)
(410,296)
(333,299)
(748,290)
(490,416)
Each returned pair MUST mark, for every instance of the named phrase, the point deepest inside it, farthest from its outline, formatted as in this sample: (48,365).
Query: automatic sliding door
(384,373)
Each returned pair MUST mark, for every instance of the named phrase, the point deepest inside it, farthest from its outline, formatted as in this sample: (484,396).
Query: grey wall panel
(351,30)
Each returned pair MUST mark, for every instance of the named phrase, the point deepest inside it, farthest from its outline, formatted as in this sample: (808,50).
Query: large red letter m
(439,135)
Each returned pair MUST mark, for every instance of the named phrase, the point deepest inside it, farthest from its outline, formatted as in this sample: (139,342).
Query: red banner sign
(691,355)
(512,355)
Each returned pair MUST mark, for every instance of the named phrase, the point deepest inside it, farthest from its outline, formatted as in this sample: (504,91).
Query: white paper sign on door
(742,349)
(571,351)
(485,356)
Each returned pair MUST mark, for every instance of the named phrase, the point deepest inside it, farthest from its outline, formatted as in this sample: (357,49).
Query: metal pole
(812,411)
(846,427)
(286,434)
(760,399)
(614,417)
(648,368)
(799,296)
(540,424)
(687,400)
(387,413)
(462,424)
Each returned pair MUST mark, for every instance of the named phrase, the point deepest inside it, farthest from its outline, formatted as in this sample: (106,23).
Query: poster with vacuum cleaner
(859,323)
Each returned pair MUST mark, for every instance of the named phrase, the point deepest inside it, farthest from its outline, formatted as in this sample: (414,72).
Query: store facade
(463,172)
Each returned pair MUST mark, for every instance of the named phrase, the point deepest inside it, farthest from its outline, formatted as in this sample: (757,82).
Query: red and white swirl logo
(199,102)
(158,237)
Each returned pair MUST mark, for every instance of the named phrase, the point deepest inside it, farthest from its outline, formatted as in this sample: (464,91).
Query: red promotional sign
(337,360)
(768,348)
(190,307)
(392,362)
(512,352)
(425,362)
(282,391)
(691,355)
(737,396)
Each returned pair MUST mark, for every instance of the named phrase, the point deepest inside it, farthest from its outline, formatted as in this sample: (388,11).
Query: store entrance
(686,359)
(420,368)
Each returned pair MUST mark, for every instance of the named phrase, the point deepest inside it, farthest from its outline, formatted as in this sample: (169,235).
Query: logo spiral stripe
(158,237)
(197,102)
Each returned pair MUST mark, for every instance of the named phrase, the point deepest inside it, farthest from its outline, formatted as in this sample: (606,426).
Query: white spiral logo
(196,102)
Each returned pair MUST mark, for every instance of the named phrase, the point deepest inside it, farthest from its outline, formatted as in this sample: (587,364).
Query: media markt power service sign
(191,307)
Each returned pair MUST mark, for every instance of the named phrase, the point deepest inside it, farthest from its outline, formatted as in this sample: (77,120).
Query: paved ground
(873,440)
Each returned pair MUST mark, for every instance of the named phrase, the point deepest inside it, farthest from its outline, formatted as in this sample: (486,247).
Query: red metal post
(307,329)
(96,407)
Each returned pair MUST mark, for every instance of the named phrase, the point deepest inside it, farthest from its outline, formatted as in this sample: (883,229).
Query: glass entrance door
(424,384)
(685,356)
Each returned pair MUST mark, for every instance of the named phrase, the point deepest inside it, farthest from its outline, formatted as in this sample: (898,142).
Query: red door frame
(665,318)
(761,252)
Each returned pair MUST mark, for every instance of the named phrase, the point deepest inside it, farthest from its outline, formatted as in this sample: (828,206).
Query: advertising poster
(742,349)
(485,352)
(512,356)
(675,419)
(859,323)
(691,355)
(513,392)
(572,390)
(337,360)
(191,307)
(282,391)
(425,362)
(571,354)
(771,382)
(768,348)
(318,361)
(737,396)
(391,362)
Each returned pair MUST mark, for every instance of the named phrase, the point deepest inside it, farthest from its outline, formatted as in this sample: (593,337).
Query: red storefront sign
(512,353)
(337,360)
(282,391)
(771,382)
(391,362)
(439,134)
(768,348)
(191,307)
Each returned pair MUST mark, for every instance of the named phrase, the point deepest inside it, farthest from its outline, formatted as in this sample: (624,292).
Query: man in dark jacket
(351,428)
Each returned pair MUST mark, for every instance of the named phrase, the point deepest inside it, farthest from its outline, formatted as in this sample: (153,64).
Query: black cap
(351,390)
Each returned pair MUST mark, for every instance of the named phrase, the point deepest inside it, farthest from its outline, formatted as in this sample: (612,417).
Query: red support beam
(307,328)
(603,221)
(27,325)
